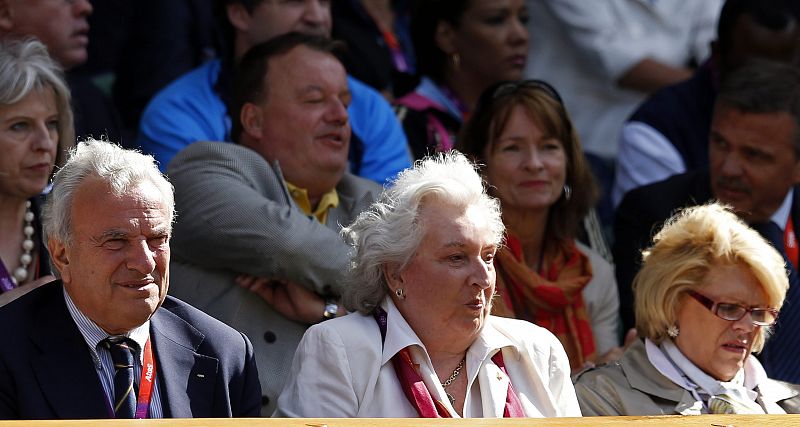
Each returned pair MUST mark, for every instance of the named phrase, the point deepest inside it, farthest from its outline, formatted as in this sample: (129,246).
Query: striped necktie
(122,351)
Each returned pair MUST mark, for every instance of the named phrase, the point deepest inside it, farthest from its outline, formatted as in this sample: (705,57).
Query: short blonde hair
(686,248)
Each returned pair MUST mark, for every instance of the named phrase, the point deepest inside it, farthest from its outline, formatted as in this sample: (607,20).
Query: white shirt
(583,47)
(342,369)
(645,156)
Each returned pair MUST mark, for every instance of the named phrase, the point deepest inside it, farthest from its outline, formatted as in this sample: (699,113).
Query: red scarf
(414,388)
(551,298)
(417,393)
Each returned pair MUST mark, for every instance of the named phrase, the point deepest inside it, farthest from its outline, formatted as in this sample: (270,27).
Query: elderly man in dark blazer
(256,243)
(105,341)
(754,152)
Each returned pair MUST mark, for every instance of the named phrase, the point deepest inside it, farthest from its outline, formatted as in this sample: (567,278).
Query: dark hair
(762,86)
(251,72)
(544,106)
(774,15)
(425,17)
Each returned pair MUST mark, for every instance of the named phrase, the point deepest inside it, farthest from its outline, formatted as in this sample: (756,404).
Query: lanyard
(395,50)
(146,382)
(6,284)
(790,243)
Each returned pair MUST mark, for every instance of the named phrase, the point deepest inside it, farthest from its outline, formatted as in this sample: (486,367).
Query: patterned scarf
(551,299)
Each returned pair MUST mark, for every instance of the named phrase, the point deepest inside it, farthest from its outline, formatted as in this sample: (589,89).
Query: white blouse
(343,369)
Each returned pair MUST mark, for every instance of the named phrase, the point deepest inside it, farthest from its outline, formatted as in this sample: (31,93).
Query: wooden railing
(663,421)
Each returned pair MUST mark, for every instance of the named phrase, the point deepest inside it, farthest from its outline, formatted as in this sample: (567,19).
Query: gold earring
(400,293)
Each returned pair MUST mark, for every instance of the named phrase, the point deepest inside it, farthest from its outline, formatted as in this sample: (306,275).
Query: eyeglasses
(733,312)
(508,88)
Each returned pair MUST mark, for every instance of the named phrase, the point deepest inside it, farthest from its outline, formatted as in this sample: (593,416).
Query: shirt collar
(429,89)
(93,334)
(684,373)
(327,201)
(781,216)
(399,335)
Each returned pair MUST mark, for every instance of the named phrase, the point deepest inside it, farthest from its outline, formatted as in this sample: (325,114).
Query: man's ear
(6,16)
(238,16)
(60,258)
(445,38)
(251,119)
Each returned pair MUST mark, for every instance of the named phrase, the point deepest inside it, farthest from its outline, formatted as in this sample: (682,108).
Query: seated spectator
(462,48)
(106,341)
(606,57)
(523,135)
(707,293)
(197,106)
(270,207)
(37,131)
(668,134)
(754,165)
(423,342)
(62,27)
(379,51)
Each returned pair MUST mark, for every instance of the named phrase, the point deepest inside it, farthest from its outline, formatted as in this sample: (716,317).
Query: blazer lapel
(64,369)
(351,203)
(186,378)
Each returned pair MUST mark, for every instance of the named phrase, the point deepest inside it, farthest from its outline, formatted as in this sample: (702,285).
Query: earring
(456,60)
(400,293)
(673,331)
(567,192)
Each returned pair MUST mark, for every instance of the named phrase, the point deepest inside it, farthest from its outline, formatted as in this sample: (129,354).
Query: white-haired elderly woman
(36,131)
(708,289)
(421,342)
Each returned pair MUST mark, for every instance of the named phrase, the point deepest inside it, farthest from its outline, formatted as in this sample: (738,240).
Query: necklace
(21,272)
(450,380)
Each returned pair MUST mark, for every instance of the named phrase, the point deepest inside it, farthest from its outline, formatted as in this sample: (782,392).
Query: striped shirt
(101,357)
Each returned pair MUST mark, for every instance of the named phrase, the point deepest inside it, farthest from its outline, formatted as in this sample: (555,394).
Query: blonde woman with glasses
(709,290)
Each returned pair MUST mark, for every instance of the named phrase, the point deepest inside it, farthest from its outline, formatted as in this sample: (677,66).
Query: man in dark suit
(105,341)
(754,153)
(257,242)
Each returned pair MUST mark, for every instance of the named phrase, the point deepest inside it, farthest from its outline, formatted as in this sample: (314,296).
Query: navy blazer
(204,368)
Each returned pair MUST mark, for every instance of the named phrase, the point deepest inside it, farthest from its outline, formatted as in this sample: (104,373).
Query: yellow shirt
(328,200)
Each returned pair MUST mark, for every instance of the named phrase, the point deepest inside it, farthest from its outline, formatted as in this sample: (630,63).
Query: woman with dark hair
(462,47)
(36,130)
(534,164)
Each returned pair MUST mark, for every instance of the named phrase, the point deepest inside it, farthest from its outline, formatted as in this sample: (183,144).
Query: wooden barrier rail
(662,421)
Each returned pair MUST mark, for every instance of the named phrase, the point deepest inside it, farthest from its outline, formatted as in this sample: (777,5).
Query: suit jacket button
(270,337)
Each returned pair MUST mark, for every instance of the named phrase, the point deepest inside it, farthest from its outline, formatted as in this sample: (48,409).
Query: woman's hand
(287,298)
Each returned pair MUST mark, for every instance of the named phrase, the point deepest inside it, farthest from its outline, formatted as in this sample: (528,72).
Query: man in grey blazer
(256,242)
